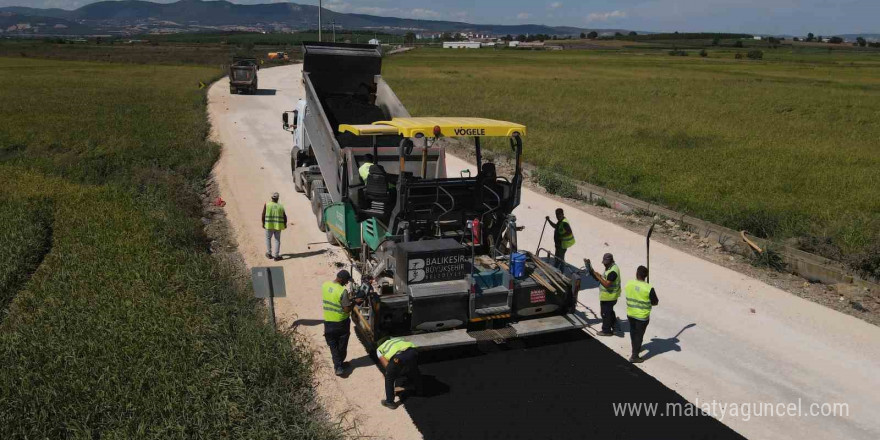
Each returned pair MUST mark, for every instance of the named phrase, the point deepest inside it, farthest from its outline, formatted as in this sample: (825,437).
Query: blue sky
(795,17)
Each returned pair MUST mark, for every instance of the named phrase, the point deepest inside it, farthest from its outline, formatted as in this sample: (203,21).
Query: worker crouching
(400,359)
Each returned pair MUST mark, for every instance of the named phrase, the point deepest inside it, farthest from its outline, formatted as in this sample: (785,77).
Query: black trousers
(637,329)
(403,364)
(336,334)
(560,255)
(608,315)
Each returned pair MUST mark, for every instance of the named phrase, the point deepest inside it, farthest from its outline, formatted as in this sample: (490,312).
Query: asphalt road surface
(717,336)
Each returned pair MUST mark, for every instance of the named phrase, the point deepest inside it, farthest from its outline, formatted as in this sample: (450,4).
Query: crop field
(115,322)
(215,54)
(786,148)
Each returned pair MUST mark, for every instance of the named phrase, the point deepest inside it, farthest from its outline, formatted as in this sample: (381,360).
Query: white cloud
(555,5)
(523,15)
(605,16)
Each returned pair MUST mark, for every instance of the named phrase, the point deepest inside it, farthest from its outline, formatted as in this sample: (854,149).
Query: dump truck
(243,75)
(437,253)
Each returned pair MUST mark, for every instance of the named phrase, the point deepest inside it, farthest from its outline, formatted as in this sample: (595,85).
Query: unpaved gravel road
(739,341)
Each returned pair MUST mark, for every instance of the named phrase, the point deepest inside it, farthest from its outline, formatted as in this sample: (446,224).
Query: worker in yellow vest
(364,169)
(640,298)
(274,221)
(400,359)
(563,237)
(609,292)
(337,324)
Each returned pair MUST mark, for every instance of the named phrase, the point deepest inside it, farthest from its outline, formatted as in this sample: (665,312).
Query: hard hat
(608,258)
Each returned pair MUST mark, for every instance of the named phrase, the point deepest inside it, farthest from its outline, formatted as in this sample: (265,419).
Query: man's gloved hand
(590,269)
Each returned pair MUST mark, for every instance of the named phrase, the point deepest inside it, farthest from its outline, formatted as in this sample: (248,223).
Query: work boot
(604,333)
(387,404)
(340,371)
(268,255)
(636,359)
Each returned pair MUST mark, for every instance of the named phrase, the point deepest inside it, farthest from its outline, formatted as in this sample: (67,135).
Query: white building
(461,44)
(513,43)
(757,37)
(374,42)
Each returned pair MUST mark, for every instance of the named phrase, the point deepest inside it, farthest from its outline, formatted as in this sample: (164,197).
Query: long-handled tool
(648,251)
(542,235)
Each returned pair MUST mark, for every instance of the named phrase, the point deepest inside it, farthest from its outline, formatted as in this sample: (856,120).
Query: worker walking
(274,221)
(400,359)
(337,324)
(364,169)
(563,237)
(609,292)
(640,297)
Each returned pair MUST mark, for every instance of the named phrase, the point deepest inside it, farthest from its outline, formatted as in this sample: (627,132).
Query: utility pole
(320,6)
(334,30)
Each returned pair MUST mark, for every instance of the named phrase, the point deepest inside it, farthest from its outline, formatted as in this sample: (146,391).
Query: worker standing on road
(337,324)
(400,359)
(640,297)
(609,292)
(274,221)
(563,237)
(364,170)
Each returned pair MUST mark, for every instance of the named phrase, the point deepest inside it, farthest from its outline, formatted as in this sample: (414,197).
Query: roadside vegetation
(116,321)
(785,148)
(153,52)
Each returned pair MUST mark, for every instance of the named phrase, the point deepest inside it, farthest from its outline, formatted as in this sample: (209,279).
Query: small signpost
(268,282)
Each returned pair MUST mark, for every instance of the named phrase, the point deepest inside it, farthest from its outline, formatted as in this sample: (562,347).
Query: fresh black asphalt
(559,386)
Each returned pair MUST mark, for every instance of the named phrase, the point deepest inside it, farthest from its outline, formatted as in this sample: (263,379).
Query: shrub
(678,53)
(738,44)
(703,53)
(755,55)
(770,259)
(557,184)
(738,56)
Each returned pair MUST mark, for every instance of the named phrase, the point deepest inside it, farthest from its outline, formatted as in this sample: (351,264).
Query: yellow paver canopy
(450,127)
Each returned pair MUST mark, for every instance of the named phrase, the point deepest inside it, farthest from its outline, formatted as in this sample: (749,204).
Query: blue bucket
(518,265)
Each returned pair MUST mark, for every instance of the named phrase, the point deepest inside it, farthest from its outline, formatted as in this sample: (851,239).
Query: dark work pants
(560,256)
(403,364)
(336,334)
(608,315)
(637,329)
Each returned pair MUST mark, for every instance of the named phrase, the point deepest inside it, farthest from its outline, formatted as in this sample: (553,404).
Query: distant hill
(269,16)
(13,24)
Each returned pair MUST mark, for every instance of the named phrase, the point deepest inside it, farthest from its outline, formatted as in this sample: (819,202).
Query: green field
(115,321)
(786,148)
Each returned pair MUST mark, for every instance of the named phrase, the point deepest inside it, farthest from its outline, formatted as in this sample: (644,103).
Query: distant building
(461,44)
(758,37)
(513,43)
(374,42)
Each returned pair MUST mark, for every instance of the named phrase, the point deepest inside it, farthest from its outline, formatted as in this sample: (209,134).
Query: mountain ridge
(271,16)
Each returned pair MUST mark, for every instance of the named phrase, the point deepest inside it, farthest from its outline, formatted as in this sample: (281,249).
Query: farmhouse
(461,44)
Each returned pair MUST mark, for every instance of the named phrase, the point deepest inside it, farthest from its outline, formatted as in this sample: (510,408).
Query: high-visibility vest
(393,346)
(565,238)
(638,299)
(611,292)
(332,293)
(364,170)
(274,217)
